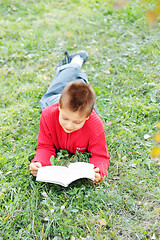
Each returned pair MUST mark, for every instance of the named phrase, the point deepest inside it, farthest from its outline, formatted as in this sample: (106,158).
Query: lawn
(124,70)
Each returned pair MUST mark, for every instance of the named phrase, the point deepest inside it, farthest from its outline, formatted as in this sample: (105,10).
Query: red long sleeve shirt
(91,137)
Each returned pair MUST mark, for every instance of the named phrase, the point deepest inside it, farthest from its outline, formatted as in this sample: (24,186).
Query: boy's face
(71,121)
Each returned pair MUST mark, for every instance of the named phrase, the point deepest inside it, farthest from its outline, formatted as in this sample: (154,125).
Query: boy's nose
(69,125)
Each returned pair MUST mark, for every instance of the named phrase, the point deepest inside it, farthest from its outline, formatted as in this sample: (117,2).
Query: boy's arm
(99,154)
(45,147)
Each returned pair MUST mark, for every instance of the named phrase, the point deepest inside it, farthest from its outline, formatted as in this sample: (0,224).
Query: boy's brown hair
(78,96)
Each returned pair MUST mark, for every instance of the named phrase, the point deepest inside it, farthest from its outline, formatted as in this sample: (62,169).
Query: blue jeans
(65,74)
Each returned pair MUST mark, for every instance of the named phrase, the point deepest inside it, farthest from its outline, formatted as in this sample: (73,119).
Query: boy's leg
(64,74)
(68,71)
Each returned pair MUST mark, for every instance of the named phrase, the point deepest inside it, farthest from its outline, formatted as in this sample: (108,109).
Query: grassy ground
(124,70)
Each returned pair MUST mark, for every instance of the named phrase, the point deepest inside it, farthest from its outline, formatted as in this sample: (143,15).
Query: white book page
(80,170)
(53,174)
(65,175)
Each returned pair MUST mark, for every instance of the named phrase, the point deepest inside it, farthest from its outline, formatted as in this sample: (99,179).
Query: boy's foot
(68,58)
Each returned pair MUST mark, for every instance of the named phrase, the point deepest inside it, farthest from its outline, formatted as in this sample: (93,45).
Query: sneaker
(68,58)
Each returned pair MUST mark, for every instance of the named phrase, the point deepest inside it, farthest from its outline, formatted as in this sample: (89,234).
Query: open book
(65,175)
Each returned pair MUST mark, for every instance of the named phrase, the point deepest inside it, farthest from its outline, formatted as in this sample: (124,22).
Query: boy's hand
(34,168)
(97,175)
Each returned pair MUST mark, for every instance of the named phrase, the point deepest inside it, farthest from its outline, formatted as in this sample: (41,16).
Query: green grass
(33,38)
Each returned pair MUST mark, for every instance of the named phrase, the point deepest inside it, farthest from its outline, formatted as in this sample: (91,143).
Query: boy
(69,120)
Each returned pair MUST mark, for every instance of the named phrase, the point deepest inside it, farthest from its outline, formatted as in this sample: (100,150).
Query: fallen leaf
(155,152)
(40,65)
(14,149)
(151,17)
(102,222)
(158,125)
(6,218)
(157,137)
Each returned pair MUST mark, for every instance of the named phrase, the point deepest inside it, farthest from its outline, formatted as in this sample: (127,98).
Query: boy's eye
(65,118)
(77,122)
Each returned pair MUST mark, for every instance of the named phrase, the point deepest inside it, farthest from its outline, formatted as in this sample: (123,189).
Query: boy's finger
(96,170)
(97,176)
(32,167)
(35,166)
(38,164)
(34,173)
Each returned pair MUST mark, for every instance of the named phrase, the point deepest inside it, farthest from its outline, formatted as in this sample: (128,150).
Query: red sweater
(90,137)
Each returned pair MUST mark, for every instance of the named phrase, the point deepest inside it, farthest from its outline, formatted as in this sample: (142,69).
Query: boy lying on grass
(69,121)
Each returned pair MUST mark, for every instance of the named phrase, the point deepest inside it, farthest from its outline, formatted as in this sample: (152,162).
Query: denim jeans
(64,74)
